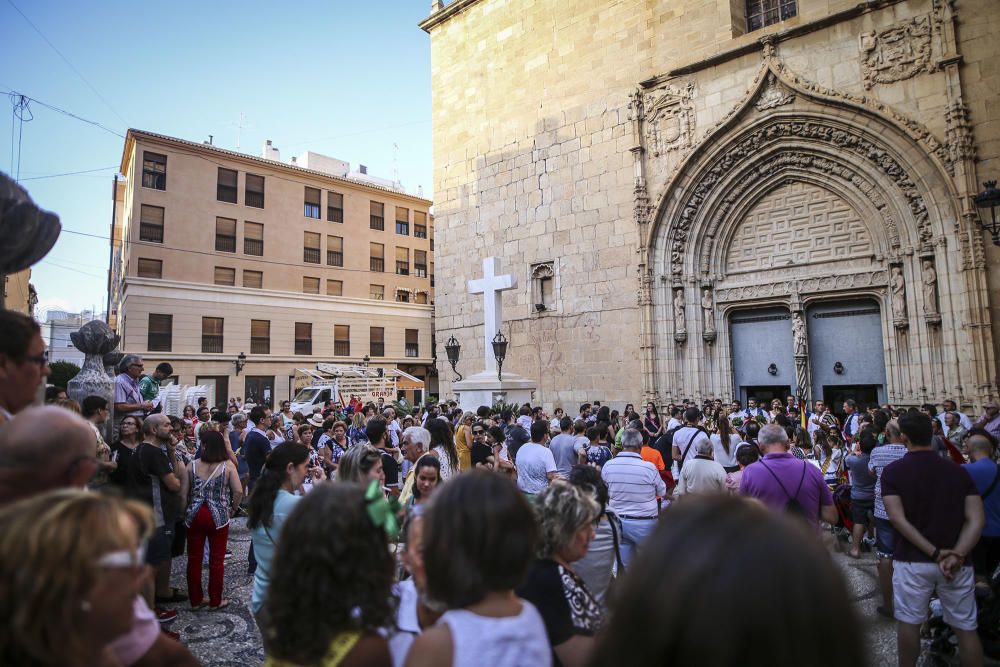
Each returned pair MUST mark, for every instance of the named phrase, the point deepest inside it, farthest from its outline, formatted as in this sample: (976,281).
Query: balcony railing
(402,268)
(420,270)
(152,179)
(211,343)
(260,345)
(151,233)
(334,214)
(159,342)
(310,255)
(377,349)
(253,247)
(377,222)
(226,193)
(419,231)
(225,243)
(334,258)
(412,350)
(342,348)
(255,199)
(377,264)
(304,346)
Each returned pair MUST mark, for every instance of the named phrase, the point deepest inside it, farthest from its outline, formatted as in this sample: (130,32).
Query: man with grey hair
(702,474)
(128,397)
(634,491)
(392,426)
(414,443)
(784,483)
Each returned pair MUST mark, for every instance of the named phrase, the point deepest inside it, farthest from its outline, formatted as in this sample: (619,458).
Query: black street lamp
(452,348)
(989,199)
(500,352)
(240,362)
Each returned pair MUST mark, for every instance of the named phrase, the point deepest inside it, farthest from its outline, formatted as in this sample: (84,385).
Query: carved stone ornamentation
(708,315)
(897,52)
(961,144)
(774,95)
(897,287)
(928,277)
(863,280)
(669,118)
(680,326)
(95,339)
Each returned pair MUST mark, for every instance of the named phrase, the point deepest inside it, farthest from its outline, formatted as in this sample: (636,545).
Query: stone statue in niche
(928,277)
(799,335)
(680,326)
(707,310)
(897,287)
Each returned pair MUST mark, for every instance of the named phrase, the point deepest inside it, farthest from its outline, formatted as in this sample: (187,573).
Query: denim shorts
(885,538)
(160,545)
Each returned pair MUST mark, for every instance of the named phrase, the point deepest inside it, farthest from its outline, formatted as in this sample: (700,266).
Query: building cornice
(222,153)
(264,298)
(444,14)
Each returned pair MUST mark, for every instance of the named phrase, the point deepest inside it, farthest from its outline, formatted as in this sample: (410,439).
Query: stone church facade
(696,209)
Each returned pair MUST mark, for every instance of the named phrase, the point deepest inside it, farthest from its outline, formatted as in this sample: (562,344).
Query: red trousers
(203,528)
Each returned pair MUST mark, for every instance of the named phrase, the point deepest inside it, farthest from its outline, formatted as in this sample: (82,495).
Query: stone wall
(536,158)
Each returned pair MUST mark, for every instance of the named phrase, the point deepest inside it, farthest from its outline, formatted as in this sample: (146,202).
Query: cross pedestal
(486,388)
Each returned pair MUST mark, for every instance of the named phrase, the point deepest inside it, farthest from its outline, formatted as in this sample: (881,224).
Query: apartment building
(240,269)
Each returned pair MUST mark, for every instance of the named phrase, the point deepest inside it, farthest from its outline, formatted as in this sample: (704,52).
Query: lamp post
(240,362)
(452,349)
(989,199)
(500,352)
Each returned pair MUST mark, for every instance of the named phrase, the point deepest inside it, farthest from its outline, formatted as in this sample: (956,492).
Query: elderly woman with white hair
(572,615)
(414,443)
(702,474)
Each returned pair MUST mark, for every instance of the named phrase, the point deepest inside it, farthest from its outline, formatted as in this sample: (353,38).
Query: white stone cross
(491,286)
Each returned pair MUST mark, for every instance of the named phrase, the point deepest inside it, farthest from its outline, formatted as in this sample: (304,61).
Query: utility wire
(63,111)
(66,60)
(70,173)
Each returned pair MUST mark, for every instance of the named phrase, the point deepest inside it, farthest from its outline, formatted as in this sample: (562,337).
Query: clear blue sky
(347,79)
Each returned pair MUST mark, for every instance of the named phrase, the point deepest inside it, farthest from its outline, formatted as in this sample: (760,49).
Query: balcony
(226,193)
(420,270)
(211,343)
(260,345)
(341,348)
(253,247)
(412,350)
(310,255)
(254,199)
(225,243)
(377,349)
(377,222)
(150,232)
(402,268)
(304,346)
(334,258)
(377,264)
(159,342)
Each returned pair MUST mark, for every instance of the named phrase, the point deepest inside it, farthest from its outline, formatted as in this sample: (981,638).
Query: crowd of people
(428,535)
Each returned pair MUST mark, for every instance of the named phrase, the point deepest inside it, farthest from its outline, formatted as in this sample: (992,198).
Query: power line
(63,111)
(66,60)
(70,173)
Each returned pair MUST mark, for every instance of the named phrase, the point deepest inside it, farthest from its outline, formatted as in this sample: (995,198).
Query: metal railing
(377,264)
(412,350)
(225,243)
(253,247)
(376,349)
(159,342)
(260,345)
(211,343)
(310,255)
(255,199)
(402,268)
(334,258)
(304,347)
(377,222)
(342,348)
(150,232)
(155,180)
(226,193)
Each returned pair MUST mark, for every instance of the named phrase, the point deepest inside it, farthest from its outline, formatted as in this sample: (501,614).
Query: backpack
(667,438)
(792,505)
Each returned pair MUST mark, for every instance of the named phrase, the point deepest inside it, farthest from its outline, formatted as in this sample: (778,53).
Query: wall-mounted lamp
(989,200)
(772,369)
(838,368)
(240,362)
(452,349)
(500,352)
(539,307)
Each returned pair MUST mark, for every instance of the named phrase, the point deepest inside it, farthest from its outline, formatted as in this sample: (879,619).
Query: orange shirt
(653,456)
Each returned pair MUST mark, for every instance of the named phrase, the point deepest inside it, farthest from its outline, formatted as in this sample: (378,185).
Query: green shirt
(148,387)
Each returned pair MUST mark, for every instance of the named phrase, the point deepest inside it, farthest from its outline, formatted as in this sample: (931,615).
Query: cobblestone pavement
(229,637)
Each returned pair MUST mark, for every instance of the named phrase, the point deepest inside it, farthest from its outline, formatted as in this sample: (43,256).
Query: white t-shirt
(510,641)
(534,462)
(689,435)
(673,423)
(719,452)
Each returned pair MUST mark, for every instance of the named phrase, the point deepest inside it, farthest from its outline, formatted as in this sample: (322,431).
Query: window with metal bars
(211,334)
(260,336)
(312,203)
(412,343)
(419,225)
(335,250)
(151,223)
(376,341)
(154,171)
(160,332)
(341,340)
(303,338)
(420,263)
(762,13)
(402,221)
(225,189)
(402,261)
(377,217)
(311,248)
(376,253)
(225,235)
(253,239)
(253,191)
(334,207)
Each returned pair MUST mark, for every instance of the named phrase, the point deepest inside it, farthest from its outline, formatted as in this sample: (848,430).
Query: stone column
(801,353)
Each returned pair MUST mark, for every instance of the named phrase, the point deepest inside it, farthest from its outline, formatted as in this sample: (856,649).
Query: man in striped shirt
(633,488)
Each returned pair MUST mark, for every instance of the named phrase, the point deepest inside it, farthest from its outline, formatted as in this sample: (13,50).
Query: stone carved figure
(707,309)
(897,285)
(95,339)
(679,325)
(928,277)
(799,335)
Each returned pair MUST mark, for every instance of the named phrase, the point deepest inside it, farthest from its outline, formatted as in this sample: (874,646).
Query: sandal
(221,605)
(176,595)
(196,607)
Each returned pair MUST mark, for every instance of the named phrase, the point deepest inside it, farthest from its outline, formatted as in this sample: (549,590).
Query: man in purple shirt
(779,478)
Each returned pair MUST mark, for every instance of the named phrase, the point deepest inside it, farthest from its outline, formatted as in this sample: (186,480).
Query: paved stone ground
(229,637)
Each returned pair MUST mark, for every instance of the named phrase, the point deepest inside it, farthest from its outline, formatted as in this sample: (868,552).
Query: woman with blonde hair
(360,465)
(71,568)
(463,441)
